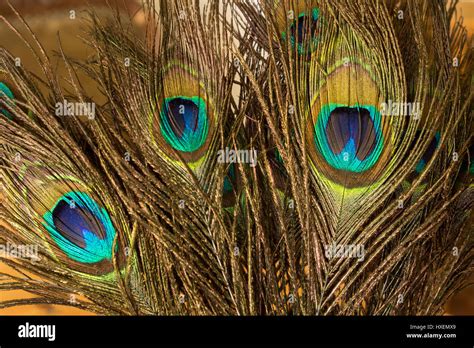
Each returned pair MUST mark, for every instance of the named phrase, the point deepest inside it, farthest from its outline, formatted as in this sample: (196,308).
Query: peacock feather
(269,157)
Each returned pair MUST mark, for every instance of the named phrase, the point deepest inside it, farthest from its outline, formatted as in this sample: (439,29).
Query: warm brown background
(46,18)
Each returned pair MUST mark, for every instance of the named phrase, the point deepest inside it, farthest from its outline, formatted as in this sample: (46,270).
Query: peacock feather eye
(279,171)
(6,92)
(80,228)
(77,230)
(229,179)
(184,122)
(428,154)
(421,165)
(230,186)
(304,31)
(349,137)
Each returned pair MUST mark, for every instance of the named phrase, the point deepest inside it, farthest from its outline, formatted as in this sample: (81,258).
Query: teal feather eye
(303,33)
(5,91)
(184,123)
(230,186)
(279,171)
(229,180)
(349,138)
(428,154)
(81,228)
